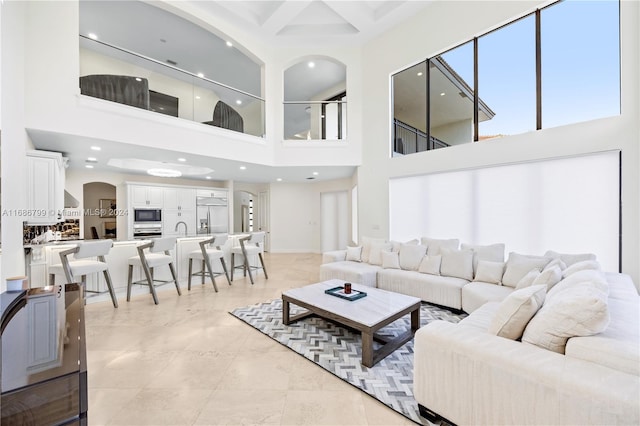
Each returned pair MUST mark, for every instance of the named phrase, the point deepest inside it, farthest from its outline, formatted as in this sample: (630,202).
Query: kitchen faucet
(185,227)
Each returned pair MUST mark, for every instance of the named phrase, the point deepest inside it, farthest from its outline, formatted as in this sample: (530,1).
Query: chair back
(257,238)
(220,240)
(162,244)
(93,248)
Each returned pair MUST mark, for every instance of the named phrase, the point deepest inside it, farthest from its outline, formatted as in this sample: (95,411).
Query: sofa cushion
(434,245)
(618,346)
(492,252)
(430,265)
(581,266)
(621,286)
(549,277)
(354,254)
(334,256)
(518,265)
(489,272)
(481,318)
(575,311)
(366,243)
(528,279)
(476,294)
(457,263)
(570,258)
(411,255)
(395,245)
(390,260)
(556,262)
(437,289)
(353,272)
(515,311)
(375,254)
(587,277)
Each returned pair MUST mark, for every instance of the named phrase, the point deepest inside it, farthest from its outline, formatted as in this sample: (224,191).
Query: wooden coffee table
(367,315)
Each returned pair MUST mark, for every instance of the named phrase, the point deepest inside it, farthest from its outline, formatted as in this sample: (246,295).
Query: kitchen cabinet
(179,206)
(45,188)
(146,196)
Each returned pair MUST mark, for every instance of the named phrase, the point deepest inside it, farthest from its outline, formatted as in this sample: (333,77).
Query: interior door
(262,218)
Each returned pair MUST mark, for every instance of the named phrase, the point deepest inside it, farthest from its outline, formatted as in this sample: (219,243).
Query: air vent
(310,178)
(174,63)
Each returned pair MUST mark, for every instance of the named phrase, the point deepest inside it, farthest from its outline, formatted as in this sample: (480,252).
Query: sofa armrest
(334,256)
(471,377)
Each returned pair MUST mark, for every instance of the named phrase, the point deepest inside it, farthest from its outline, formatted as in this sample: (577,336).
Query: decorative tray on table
(339,292)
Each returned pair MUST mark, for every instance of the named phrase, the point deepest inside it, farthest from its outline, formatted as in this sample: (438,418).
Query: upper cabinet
(45,187)
(146,196)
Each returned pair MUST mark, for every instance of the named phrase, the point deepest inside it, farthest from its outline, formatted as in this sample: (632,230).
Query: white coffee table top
(369,310)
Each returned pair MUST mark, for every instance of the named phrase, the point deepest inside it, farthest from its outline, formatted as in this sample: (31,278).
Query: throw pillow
(528,279)
(581,266)
(434,245)
(519,265)
(489,272)
(375,255)
(390,260)
(410,256)
(576,311)
(515,311)
(354,253)
(549,277)
(397,244)
(367,243)
(556,262)
(457,263)
(430,265)
(492,252)
(586,277)
(570,259)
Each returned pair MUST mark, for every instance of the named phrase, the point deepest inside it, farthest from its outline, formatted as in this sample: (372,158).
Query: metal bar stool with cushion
(158,255)
(209,249)
(81,266)
(249,246)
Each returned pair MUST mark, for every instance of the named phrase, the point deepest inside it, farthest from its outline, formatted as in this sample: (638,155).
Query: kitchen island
(43,256)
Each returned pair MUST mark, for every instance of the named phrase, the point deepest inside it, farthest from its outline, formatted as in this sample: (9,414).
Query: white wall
(456,133)
(445,24)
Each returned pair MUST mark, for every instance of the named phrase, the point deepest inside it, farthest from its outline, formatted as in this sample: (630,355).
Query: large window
(556,66)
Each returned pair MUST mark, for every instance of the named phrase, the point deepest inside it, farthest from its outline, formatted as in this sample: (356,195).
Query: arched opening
(99,210)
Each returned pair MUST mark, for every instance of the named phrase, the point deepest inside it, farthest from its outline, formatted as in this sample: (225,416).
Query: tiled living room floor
(187,361)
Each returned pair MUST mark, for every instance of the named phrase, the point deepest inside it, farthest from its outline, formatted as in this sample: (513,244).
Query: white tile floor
(187,361)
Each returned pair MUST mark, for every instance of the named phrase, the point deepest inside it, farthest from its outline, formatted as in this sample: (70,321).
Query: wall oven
(147,215)
(147,230)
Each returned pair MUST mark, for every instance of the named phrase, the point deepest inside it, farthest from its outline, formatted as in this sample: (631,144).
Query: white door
(334,220)
(262,217)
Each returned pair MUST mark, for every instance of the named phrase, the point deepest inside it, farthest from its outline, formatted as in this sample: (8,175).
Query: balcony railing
(119,75)
(409,140)
(315,120)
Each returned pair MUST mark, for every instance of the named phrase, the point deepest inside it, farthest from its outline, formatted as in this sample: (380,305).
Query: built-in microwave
(147,215)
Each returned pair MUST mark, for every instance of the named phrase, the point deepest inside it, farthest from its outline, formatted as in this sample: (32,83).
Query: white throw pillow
(549,277)
(375,254)
(569,258)
(411,255)
(515,311)
(367,243)
(430,265)
(390,260)
(576,311)
(489,272)
(519,265)
(354,253)
(586,277)
(457,263)
(492,252)
(397,244)
(581,266)
(528,279)
(556,262)
(434,245)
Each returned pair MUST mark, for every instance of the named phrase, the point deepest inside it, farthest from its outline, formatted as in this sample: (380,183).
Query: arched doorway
(99,204)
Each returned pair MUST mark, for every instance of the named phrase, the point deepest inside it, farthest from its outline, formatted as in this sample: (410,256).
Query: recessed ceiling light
(92,36)
(311,64)
(229,44)
(315,173)
(420,73)
(208,177)
(92,159)
(138,79)
(182,159)
(197,97)
(164,172)
(238,102)
(279,179)
(200,75)
(243,168)
(88,166)
(96,148)
(442,94)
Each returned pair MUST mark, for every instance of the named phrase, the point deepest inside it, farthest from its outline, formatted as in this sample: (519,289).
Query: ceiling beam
(283,15)
(355,13)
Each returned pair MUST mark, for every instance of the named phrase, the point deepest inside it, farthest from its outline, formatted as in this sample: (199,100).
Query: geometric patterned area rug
(338,350)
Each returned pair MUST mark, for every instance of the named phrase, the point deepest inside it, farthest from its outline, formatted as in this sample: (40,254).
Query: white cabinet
(146,196)
(45,187)
(44,330)
(179,206)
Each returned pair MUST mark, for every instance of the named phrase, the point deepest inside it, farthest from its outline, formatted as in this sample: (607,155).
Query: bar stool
(81,267)
(249,246)
(209,249)
(158,255)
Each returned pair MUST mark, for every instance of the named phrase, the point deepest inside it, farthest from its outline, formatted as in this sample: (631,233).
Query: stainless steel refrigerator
(212,212)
